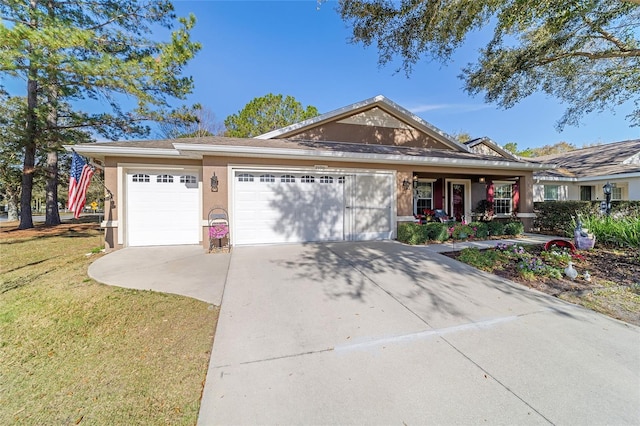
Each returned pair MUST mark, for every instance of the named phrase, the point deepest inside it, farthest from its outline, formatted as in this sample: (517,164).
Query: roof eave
(101,151)
(380,101)
(302,154)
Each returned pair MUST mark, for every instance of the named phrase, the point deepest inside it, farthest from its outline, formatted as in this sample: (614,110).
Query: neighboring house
(581,174)
(350,174)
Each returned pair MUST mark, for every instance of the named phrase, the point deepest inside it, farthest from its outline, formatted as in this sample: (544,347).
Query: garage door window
(287,178)
(140,178)
(341,179)
(164,179)
(245,177)
(189,181)
(307,179)
(326,179)
(267,178)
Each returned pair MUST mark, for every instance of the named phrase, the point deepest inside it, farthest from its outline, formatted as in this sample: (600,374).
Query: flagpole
(104,198)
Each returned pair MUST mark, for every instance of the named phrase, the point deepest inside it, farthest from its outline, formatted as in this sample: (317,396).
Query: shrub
(485,260)
(437,231)
(624,232)
(554,217)
(461,231)
(412,233)
(514,228)
(495,228)
(480,229)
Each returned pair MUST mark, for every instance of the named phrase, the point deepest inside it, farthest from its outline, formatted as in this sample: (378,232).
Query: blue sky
(251,48)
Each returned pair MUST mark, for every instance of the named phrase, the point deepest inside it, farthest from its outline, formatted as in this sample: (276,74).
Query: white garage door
(163,208)
(280,207)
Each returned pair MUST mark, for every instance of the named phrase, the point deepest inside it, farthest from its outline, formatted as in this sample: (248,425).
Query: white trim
(109,224)
(121,178)
(467,197)
(405,219)
(130,168)
(124,151)
(382,102)
(504,182)
(493,145)
(620,176)
(308,154)
(232,169)
(526,215)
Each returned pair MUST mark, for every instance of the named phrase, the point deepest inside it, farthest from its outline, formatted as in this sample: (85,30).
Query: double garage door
(163,208)
(283,206)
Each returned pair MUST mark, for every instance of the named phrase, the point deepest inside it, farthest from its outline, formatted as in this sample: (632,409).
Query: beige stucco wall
(111,220)
(220,198)
(344,132)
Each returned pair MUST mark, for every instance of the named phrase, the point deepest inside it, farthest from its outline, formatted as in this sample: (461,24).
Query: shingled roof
(187,144)
(616,158)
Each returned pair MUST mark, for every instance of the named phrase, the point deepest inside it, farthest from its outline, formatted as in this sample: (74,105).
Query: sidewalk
(450,246)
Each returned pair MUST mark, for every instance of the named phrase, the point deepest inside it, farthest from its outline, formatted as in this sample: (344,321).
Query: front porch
(466,197)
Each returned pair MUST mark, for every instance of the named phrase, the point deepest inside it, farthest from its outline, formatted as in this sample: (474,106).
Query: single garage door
(283,206)
(163,208)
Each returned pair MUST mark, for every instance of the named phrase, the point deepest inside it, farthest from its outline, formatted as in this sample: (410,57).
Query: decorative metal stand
(219,232)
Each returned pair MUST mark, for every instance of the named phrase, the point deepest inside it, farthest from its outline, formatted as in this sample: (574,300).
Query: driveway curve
(184,270)
(383,333)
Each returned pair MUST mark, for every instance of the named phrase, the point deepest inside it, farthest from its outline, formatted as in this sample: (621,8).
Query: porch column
(404,196)
(525,204)
(110,223)
(490,194)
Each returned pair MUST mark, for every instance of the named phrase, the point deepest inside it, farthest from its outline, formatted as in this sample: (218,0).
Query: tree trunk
(12,206)
(53,215)
(28,169)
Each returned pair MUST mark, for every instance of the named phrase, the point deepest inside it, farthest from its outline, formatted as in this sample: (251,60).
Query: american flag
(79,181)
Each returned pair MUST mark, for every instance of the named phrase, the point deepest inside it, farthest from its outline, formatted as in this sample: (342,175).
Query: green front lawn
(73,351)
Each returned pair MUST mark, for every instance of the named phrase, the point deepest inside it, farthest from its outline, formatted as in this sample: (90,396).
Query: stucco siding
(634,188)
(353,133)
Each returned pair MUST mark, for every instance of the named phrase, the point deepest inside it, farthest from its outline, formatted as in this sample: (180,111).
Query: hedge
(437,231)
(481,229)
(412,233)
(416,234)
(514,228)
(554,217)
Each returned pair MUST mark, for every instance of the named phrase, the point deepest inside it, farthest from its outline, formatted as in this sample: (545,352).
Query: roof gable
(487,146)
(373,121)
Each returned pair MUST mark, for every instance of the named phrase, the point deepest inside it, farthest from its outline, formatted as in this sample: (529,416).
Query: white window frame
(544,192)
(616,193)
(164,178)
(499,210)
(417,198)
(245,177)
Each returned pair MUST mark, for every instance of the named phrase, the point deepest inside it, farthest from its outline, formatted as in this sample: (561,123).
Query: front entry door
(457,200)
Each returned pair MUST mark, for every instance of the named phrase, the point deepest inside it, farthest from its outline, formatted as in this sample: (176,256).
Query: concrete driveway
(186,270)
(383,333)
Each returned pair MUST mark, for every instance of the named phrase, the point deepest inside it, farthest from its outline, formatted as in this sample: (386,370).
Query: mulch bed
(610,269)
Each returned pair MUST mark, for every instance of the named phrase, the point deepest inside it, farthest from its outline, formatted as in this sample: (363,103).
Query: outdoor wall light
(482,180)
(406,184)
(607,189)
(214,183)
